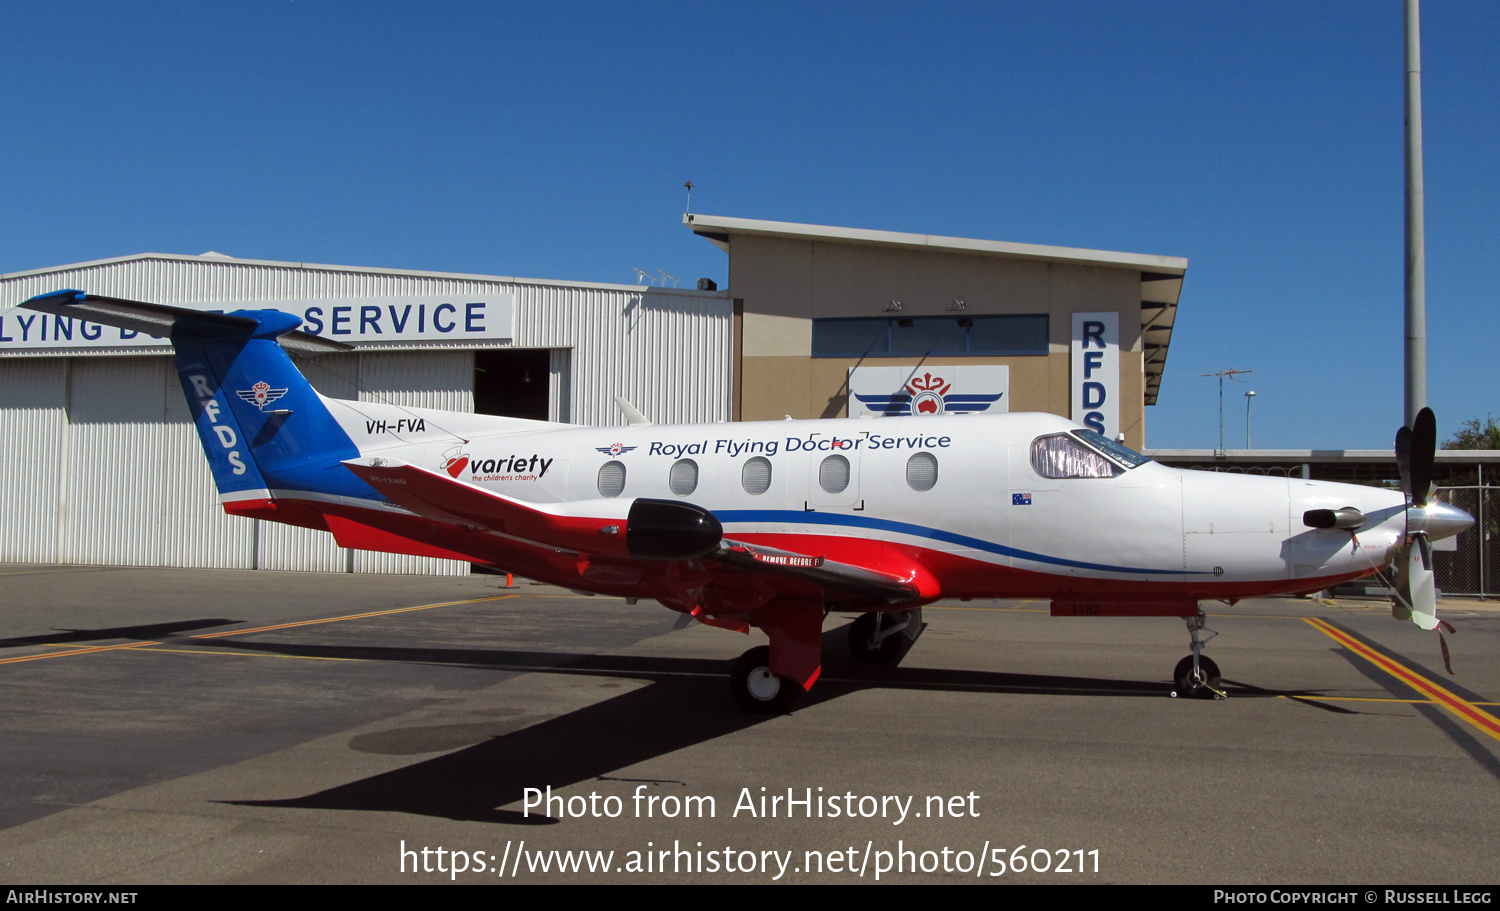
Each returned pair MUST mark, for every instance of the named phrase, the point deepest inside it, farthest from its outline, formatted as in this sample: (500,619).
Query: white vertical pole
(1416,266)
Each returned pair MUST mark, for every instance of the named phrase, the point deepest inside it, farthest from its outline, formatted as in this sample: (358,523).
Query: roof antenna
(689,209)
(1231,373)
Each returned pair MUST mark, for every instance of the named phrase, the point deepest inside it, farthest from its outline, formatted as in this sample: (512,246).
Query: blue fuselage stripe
(798,517)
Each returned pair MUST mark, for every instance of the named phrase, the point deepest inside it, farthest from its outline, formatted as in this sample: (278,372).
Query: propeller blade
(1416,591)
(1423,454)
(1403,458)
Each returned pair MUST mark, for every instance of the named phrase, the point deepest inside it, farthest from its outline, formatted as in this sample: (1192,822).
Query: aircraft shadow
(147,631)
(684,705)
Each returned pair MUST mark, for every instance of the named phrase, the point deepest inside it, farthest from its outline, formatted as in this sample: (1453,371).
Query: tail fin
(263,427)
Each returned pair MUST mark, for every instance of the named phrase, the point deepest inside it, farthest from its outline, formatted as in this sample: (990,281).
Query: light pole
(1248,396)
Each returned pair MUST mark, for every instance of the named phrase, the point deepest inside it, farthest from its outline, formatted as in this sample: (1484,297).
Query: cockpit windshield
(1058,455)
(1117,451)
(1078,455)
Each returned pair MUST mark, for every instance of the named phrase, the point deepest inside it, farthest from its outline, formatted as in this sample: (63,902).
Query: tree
(1474,435)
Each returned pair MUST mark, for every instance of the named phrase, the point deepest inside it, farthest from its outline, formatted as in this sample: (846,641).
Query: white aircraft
(774,524)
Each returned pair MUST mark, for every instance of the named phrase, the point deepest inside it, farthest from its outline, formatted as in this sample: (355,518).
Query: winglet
(632,417)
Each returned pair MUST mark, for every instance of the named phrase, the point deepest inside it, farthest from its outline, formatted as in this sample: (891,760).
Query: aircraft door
(831,473)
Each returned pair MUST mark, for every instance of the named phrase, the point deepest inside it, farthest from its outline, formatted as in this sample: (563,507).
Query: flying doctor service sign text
(353,320)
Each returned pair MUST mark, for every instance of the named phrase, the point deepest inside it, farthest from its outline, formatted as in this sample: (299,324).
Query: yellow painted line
(378,613)
(238,654)
(76,651)
(238,632)
(1465,710)
(1361,699)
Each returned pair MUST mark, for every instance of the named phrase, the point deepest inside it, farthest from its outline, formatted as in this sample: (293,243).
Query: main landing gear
(877,639)
(1196,676)
(756,689)
(882,638)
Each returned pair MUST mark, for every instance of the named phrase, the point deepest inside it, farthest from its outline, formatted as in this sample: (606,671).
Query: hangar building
(102,465)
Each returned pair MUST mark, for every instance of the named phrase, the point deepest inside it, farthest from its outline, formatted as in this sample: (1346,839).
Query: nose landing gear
(1196,676)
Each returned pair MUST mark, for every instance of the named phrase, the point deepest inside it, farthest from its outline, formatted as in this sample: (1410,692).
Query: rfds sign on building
(1096,372)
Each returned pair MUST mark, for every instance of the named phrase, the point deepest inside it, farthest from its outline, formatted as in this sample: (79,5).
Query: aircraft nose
(1439,520)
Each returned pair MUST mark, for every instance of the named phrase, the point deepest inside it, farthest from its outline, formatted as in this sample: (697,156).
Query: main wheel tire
(756,689)
(862,643)
(1201,687)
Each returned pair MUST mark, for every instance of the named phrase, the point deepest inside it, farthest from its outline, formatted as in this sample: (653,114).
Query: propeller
(1416,592)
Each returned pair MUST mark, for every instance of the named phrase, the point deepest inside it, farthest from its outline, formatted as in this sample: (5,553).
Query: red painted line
(1464,709)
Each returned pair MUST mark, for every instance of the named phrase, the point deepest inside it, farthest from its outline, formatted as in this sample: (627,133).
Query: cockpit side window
(1060,456)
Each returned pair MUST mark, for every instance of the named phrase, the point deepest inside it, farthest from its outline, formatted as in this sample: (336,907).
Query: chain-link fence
(1473,566)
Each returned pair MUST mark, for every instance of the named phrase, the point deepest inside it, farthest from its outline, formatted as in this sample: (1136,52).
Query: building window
(611,479)
(755,477)
(921,471)
(683,478)
(919,336)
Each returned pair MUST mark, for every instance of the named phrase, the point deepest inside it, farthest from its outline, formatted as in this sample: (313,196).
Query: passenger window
(921,471)
(833,474)
(1061,456)
(683,478)
(755,477)
(611,479)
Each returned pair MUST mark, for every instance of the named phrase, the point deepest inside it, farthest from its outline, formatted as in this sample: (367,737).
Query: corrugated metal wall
(33,428)
(101,464)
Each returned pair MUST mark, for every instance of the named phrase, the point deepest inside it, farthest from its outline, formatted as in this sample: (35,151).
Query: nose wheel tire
(756,689)
(867,647)
(1205,685)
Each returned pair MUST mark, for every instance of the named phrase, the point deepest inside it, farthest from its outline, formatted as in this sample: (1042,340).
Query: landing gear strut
(1196,676)
(756,689)
(877,639)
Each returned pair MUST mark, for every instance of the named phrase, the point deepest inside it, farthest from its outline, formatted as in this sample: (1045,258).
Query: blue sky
(1261,141)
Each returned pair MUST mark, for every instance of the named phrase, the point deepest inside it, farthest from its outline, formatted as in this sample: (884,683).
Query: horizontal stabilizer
(360,536)
(162,321)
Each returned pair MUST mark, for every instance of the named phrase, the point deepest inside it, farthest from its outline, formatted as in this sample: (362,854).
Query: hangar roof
(1161,276)
(212,257)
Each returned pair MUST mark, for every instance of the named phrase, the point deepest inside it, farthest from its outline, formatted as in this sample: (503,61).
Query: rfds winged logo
(614,449)
(260,395)
(927,394)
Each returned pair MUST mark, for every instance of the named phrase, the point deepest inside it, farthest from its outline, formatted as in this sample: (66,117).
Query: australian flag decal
(1020,499)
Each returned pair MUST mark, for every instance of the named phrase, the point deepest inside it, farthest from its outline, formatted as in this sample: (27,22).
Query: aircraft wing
(640,529)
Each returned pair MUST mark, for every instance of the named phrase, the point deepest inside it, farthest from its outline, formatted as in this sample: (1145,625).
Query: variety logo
(517,467)
(260,395)
(927,394)
(454,462)
(614,449)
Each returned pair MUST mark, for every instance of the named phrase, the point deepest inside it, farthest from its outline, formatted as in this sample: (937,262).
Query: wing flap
(914,583)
